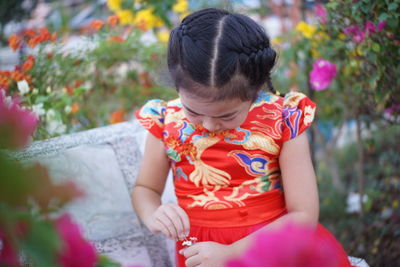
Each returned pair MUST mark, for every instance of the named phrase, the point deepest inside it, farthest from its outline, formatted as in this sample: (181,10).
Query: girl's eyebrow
(221,116)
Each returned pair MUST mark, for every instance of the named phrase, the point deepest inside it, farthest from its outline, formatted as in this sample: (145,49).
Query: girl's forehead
(208,107)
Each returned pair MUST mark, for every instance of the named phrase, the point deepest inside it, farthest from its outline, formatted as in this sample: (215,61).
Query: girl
(239,155)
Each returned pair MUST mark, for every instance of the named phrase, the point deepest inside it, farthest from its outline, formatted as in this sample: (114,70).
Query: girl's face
(217,115)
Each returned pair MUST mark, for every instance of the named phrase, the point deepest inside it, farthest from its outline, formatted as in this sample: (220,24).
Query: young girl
(239,155)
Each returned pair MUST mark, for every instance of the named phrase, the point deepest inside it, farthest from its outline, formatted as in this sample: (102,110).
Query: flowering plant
(28,232)
(63,87)
(345,58)
(292,245)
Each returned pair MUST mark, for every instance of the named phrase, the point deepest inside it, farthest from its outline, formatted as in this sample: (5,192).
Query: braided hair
(220,55)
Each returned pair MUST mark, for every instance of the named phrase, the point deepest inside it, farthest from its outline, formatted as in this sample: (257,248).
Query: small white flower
(67,109)
(56,127)
(48,90)
(50,115)
(353,202)
(35,91)
(8,101)
(38,109)
(23,87)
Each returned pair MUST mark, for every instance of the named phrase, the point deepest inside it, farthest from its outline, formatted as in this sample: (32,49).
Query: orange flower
(30,33)
(27,65)
(5,78)
(144,79)
(49,55)
(117,39)
(113,20)
(96,24)
(117,116)
(17,75)
(14,42)
(74,108)
(53,36)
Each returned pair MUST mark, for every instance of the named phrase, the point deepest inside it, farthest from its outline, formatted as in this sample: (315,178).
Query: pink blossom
(321,13)
(369,27)
(16,124)
(76,251)
(322,74)
(291,246)
(351,30)
(381,25)
(8,256)
(359,37)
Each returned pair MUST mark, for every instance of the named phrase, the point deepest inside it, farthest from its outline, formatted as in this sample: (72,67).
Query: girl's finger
(177,220)
(193,261)
(184,219)
(168,223)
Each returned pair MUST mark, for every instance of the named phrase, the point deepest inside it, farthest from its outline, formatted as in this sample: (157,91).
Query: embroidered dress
(229,182)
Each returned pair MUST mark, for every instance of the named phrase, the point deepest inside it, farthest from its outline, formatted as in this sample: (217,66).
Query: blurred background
(82,64)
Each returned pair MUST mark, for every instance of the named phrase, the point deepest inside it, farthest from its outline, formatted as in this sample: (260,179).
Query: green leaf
(383,16)
(393,6)
(106,262)
(376,47)
(41,244)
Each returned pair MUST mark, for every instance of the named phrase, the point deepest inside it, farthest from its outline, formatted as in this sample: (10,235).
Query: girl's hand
(208,254)
(171,220)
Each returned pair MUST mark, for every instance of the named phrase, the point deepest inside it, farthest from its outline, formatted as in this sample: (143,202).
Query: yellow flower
(163,36)
(114,5)
(276,41)
(315,53)
(125,17)
(146,19)
(342,36)
(305,29)
(180,6)
(184,14)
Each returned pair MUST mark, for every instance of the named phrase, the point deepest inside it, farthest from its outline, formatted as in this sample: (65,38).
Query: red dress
(229,182)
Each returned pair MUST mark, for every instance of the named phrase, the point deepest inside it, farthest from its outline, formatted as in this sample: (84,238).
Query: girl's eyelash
(228,119)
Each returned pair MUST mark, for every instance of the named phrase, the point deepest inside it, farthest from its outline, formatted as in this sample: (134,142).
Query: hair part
(220,55)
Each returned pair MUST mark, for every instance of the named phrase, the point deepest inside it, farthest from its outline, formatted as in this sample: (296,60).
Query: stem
(360,165)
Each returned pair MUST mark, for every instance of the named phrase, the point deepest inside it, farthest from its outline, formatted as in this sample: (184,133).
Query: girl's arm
(300,188)
(169,219)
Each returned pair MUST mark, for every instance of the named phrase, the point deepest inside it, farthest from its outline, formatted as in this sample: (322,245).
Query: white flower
(48,90)
(35,91)
(56,127)
(8,101)
(23,87)
(38,110)
(67,109)
(353,202)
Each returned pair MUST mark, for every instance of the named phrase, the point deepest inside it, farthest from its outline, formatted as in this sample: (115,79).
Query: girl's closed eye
(228,119)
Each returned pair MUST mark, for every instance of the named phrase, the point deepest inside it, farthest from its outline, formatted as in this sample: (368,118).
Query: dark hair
(227,52)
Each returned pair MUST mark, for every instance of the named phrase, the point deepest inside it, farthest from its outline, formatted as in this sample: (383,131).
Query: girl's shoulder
(289,100)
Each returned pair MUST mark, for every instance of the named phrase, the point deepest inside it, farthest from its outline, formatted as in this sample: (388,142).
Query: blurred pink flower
(351,30)
(369,27)
(359,37)
(381,25)
(16,124)
(321,13)
(291,246)
(8,256)
(76,251)
(322,74)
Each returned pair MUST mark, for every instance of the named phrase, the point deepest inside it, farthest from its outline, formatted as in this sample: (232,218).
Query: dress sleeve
(297,114)
(152,116)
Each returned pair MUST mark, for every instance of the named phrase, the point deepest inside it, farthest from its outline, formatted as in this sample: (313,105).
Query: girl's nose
(211,124)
